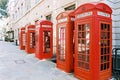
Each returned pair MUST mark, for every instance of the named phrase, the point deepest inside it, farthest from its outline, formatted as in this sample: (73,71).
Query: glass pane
(87,51)
(79,41)
(87,35)
(79,64)
(108,43)
(87,27)
(87,58)
(108,27)
(79,57)
(83,34)
(105,66)
(79,27)
(103,35)
(108,35)
(101,26)
(104,50)
(101,67)
(108,50)
(79,49)
(87,66)
(83,49)
(108,58)
(101,51)
(104,43)
(83,27)
(87,42)
(102,59)
(105,26)
(83,57)
(79,35)
(83,65)
(105,58)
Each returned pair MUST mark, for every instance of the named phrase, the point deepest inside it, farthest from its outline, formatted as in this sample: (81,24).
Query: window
(28,4)
(71,7)
(36,22)
(15,14)
(48,17)
(21,9)
(36,1)
(18,13)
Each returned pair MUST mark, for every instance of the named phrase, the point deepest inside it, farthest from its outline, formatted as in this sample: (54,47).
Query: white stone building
(10,20)
(28,11)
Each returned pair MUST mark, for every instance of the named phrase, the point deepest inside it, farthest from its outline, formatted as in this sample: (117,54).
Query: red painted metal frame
(47,26)
(21,44)
(94,19)
(65,20)
(30,29)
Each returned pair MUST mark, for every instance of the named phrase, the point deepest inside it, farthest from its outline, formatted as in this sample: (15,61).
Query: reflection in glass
(79,35)
(87,27)
(87,35)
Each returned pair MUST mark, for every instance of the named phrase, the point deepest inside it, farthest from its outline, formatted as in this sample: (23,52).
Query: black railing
(116,63)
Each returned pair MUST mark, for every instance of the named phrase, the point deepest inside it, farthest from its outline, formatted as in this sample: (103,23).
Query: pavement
(16,64)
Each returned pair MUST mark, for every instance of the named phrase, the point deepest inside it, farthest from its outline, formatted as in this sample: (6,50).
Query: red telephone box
(22,38)
(93,42)
(44,40)
(64,44)
(30,39)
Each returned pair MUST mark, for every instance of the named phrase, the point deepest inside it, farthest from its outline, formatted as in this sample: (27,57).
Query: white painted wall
(115,5)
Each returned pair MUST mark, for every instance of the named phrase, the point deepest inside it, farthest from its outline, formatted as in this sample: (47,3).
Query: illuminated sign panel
(46,26)
(84,14)
(103,14)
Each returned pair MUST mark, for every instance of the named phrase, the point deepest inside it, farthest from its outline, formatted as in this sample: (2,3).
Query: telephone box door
(22,38)
(30,39)
(44,40)
(47,34)
(64,40)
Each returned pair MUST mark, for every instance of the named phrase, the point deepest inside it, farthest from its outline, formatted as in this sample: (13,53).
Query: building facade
(28,11)
(10,21)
